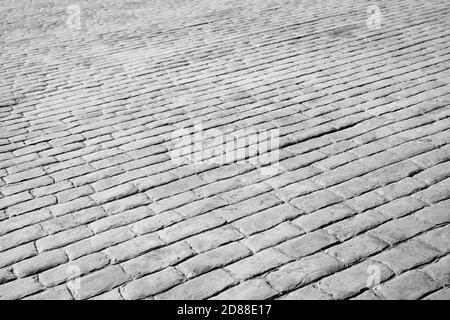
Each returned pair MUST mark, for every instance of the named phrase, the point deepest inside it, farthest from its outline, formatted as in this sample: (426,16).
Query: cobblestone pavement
(93,205)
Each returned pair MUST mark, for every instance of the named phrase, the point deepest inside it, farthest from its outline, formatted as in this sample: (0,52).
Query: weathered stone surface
(410,285)
(16,254)
(190,227)
(56,293)
(98,242)
(308,292)
(212,259)
(266,219)
(73,269)
(257,289)
(307,244)
(406,255)
(439,270)
(303,271)
(157,259)
(216,163)
(18,237)
(39,263)
(214,238)
(99,282)
(152,284)
(257,264)
(61,239)
(351,281)
(131,248)
(271,237)
(200,287)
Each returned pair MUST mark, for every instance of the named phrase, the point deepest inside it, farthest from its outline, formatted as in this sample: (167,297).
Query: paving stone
(439,271)
(436,193)
(392,173)
(271,237)
(52,189)
(340,174)
(175,187)
(19,288)
(410,285)
(155,181)
(302,272)
(120,219)
(292,176)
(257,264)
(174,202)
(99,282)
(72,172)
(201,206)
(402,188)
(266,219)
(307,244)
(109,295)
(434,174)
(323,217)
(339,160)
(247,207)
(214,238)
(297,189)
(63,238)
(73,269)
(356,249)
(30,205)
(39,263)
(353,280)
(190,227)
(88,215)
(158,259)
(24,175)
(256,289)
(308,292)
(366,295)
(75,193)
(23,220)
(18,237)
(315,201)
(353,226)
(245,192)
(152,284)
(127,203)
(435,214)
(398,230)
(200,287)
(218,187)
(438,238)
(132,248)
(154,223)
(443,294)
(71,206)
(401,207)
(366,201)
(407,255)
(98,242)
(6,276)
(55,293)
(212,259)
(32,184)
(17,254)
(353,187)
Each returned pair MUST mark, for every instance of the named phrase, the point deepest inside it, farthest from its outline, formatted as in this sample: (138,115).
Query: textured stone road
(92,205)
